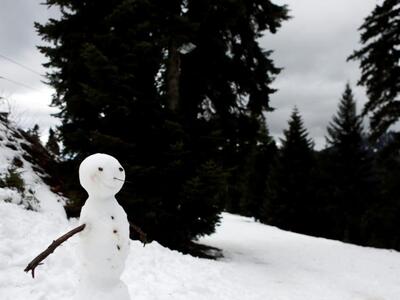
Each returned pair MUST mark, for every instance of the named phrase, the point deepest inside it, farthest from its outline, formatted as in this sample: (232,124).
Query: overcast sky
(312,48)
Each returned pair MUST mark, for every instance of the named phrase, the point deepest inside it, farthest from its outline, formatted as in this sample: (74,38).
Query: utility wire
(18,83)
(21,65)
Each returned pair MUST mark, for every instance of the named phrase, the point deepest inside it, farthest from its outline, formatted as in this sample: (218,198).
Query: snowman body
(104,243)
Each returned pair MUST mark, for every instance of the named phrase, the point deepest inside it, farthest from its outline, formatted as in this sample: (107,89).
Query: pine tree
(254,176)
(52,143)
(345,131)
(97,59)
(351,188)
(34,133)
(381,220)
(380,64)
(126,86)
(291,201)
(227,47)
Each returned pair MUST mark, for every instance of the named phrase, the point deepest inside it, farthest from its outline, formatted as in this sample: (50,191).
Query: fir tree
(380,64)
(127,87)
(226,40)
(254,176)
(52,143)
(345,130)
(381,221)
(34,133)
(351,188)
(291,200)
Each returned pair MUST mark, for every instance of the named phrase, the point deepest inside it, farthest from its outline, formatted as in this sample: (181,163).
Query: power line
(18,83)
(21,65)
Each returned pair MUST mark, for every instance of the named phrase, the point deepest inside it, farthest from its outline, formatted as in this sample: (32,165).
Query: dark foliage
(34,133)
(13,179)
(128,84)
(52,143)
(380,65)
(348,191)
(350,186)
(291,202)
(178,90)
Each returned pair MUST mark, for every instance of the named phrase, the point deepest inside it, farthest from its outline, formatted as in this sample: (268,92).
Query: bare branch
(42,256)
(140,232)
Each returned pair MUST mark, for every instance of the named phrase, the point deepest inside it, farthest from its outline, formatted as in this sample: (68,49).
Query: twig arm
(140,232)
(42,256)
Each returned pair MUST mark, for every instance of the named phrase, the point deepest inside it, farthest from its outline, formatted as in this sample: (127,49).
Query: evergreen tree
(350,186)
(380,64)
(97,82)
(52,143)
(291,202)
(255,173)
(381,220)
(345,130)
(228,63)
(127,87)
(34,133)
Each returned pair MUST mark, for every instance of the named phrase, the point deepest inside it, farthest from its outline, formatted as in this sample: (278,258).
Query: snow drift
(261,262)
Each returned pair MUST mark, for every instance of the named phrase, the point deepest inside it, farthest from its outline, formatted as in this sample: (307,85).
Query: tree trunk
(173,75)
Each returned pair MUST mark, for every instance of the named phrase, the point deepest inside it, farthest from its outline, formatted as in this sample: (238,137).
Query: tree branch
(42,256)
(140,232)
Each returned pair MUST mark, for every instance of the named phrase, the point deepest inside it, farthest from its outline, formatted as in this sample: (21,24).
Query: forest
(180,92)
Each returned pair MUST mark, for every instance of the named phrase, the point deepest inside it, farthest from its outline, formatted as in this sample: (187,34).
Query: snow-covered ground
(13,156)
(261,262)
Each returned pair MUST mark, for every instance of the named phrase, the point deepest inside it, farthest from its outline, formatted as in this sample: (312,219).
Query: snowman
(104,243)
(103,232)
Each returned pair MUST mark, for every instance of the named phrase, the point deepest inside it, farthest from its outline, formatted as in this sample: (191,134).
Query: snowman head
(101,175)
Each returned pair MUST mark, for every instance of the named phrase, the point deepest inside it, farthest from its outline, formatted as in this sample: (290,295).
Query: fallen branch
(42,256)
(140,232)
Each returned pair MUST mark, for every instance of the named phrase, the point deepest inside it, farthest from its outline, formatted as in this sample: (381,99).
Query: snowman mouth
(112,185)
(109,186)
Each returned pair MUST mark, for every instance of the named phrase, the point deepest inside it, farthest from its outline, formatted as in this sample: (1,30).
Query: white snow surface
(261,262)
(37,194)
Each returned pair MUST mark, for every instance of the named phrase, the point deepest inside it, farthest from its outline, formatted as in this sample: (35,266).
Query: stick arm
(142,235)
(50,249)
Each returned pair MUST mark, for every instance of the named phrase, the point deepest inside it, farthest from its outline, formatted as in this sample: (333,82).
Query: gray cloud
(27,97)
(312,48)
(18,38)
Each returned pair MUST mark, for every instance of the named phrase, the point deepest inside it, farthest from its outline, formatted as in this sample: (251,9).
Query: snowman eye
(100,169)
(121,169)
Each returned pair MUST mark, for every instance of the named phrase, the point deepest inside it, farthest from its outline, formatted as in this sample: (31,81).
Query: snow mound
(261,262)
(18,163)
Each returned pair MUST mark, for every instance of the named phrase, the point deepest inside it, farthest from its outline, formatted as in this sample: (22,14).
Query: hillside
(22,178)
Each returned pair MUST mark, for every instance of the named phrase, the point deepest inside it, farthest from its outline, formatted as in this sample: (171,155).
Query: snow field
(282,265)
(261,262)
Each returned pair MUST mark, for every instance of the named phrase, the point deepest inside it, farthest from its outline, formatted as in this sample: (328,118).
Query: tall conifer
(379,60)
(349,169)
(165,86)
(291,200)
(52,143)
